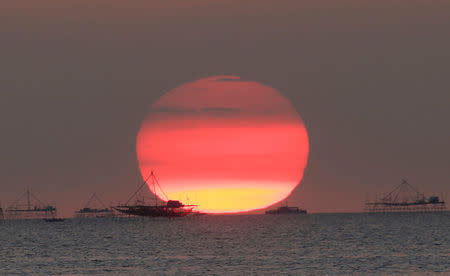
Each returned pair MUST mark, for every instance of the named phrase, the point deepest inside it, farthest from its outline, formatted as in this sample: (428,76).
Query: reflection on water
(262,244)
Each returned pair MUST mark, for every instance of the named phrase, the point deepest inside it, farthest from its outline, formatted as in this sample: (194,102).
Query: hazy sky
(370,79)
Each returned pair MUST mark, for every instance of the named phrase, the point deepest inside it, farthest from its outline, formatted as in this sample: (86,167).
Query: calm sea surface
(317,244)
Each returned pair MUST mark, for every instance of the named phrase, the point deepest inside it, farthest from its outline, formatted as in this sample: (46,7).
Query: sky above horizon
(369,79)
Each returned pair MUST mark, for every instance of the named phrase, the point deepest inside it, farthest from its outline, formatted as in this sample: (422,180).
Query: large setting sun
(224,144)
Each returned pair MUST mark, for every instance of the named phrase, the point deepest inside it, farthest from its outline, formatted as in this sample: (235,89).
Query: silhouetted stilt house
(94,209)
(27,206)
(405,198)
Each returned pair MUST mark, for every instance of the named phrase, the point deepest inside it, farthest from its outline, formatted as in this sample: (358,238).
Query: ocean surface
(313,244)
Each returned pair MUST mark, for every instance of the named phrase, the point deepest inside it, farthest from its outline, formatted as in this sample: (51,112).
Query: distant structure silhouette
(27,206)
(94,209)
(405,198)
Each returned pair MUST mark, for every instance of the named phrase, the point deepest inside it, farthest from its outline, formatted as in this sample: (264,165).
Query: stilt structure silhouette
(405,198)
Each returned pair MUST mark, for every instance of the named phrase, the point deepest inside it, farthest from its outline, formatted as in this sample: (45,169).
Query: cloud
(229,79)
(172,109)
(213,111)
(223,78)
(221,109)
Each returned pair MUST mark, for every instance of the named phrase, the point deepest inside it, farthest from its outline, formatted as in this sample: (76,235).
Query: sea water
(313,244)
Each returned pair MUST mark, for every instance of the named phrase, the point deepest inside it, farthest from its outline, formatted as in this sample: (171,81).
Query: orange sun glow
(224,144)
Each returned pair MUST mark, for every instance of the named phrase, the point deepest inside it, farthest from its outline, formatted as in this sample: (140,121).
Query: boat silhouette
(171,208)
(286,210)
